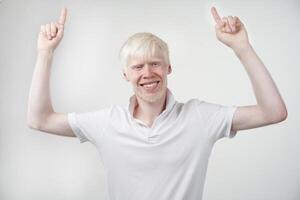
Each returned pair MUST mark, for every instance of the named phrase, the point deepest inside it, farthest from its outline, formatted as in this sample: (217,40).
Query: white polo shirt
(167,161)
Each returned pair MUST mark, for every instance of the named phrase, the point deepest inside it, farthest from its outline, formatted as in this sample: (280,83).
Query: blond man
(156,147)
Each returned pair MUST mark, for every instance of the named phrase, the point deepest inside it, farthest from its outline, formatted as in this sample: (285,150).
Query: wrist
(45,52)
(242,48)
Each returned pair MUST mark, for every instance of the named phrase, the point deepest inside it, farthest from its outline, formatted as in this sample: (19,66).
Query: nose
(147,71)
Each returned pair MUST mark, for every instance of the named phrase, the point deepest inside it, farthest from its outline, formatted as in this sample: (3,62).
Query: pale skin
(141,71)
(40,114)
(269,109)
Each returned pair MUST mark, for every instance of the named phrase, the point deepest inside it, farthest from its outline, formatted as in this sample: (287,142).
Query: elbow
(33,121)
(281,116)
(284,115)
(33,125)
(36,122)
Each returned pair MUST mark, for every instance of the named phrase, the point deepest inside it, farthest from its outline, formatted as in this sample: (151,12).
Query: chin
(151,97)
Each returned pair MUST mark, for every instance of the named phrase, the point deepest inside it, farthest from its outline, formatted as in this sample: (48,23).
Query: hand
(230,31)
(51,34)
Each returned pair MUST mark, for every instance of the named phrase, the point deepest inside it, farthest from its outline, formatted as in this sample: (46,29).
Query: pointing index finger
(63,16)
(216,15)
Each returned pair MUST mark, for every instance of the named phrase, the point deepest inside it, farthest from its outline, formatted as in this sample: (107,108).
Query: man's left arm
(270,107)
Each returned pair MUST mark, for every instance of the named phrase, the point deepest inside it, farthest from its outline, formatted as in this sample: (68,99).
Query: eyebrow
(135,65)
(154,60)
(151,61)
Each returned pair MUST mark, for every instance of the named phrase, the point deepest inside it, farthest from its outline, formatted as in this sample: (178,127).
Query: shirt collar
(169,105)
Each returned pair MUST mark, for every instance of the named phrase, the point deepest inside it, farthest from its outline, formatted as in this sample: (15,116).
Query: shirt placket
(148,132)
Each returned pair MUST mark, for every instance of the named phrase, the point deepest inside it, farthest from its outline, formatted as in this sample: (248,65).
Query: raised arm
(270,107)
(40,113)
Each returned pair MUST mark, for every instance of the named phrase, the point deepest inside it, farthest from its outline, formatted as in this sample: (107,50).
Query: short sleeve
(88,126)
(218,120)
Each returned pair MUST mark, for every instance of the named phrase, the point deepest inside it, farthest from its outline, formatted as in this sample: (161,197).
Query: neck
(148,111)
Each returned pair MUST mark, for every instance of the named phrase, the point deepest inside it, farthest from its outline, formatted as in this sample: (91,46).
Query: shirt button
(153,138)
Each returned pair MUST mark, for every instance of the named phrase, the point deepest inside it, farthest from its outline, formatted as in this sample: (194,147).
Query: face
(148,77)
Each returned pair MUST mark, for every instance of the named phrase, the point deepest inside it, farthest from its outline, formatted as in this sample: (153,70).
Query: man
(156,148)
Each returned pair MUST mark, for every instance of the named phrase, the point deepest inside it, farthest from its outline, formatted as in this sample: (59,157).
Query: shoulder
(190,107)
(205,105)
(205,108)
(199,104)
(112,112)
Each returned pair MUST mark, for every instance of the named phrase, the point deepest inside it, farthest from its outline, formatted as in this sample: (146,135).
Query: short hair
(143,44)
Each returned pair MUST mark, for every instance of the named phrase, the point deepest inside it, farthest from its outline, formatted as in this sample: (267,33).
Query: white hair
(143,44)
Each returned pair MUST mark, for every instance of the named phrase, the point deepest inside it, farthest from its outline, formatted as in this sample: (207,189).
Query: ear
(125,75)
(169,69)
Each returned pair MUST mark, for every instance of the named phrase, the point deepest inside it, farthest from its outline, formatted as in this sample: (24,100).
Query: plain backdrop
(258,164)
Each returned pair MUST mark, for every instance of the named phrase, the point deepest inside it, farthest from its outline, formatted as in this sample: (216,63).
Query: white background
(258,164)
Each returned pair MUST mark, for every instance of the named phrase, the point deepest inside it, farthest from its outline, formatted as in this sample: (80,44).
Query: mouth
(150,85)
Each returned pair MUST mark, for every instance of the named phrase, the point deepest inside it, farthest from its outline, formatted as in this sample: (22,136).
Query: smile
(150,85)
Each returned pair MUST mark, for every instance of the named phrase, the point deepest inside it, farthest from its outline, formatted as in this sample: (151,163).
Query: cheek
(135,79)
(162,73)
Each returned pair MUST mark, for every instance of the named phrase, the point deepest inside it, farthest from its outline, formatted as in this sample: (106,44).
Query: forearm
(39,102)
(265,90)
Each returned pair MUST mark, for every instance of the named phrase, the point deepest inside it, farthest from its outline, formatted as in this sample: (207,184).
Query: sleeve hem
(73,124)
(229,133)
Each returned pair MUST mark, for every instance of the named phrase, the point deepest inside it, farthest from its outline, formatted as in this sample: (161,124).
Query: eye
(155,64)
(137,67)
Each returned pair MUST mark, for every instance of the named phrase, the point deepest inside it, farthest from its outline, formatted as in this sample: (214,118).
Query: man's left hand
(230,31)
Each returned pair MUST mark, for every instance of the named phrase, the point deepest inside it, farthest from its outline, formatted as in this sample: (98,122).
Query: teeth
(150,85)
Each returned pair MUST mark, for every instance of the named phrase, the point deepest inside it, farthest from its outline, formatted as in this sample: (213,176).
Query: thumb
(60,30)
(220,26)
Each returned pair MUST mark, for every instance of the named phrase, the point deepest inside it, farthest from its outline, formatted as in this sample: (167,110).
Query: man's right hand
(50,34)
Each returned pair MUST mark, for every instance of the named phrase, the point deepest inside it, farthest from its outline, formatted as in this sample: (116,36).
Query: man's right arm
(40,113)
